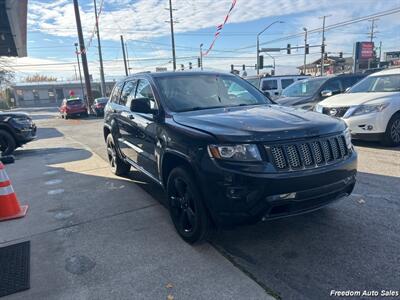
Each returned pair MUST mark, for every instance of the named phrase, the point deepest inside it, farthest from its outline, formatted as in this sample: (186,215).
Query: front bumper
(235,198)
(25,135)
(374,123)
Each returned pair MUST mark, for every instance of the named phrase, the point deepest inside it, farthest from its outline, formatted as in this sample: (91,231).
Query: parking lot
(95,235)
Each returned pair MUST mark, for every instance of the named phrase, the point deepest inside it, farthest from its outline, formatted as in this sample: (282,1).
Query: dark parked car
(224,153)
(98,106)
(16,129)
(73,107)
(308,92)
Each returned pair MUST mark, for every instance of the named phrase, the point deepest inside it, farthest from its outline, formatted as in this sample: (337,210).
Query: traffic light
(232,68)
(288,48)
(244,67)
(190,65)
(325,55)
(323,48)
(198,62)
(182,67)
(307,49)
(261,61)
(340,54)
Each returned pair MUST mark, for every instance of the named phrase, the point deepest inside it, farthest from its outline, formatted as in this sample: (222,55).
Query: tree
(39,78)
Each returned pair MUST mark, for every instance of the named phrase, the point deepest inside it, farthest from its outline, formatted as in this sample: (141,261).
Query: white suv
(371,108)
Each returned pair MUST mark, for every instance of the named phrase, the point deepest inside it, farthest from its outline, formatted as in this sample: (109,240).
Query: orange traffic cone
(9,205)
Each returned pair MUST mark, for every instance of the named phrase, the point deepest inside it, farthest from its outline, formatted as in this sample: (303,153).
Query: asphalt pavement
(351,245)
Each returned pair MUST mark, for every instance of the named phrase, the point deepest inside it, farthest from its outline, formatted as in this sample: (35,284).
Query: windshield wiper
(201,108)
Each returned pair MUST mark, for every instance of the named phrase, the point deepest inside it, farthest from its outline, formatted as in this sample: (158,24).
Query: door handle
(127,115)
(276,93)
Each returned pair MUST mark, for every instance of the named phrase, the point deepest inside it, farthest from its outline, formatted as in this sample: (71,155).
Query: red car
(73,107)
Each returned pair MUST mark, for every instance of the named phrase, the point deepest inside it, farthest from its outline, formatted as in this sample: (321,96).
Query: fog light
(370,127)
(288,196)
(235,192)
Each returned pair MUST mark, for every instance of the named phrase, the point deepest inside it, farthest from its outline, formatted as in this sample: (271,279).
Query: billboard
(365,50)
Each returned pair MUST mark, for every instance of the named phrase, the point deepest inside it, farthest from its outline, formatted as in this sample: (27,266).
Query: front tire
(187,210)
(392,133)
(7,143)
(118,166)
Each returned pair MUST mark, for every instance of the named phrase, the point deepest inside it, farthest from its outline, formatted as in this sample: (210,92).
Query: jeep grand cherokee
(225,153)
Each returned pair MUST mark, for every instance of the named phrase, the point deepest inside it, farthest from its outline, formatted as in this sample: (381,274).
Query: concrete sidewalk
(97,236)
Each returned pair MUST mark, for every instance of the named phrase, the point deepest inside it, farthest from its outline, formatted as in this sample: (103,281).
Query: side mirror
(326,93)
(141,105)
(348,89)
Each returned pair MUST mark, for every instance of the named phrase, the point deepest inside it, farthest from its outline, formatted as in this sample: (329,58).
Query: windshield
(304,88)
(254,81)
(194,92)
(375,84)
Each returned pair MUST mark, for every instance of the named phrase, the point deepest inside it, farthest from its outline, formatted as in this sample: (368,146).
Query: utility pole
(380,54)
(171,21)
(372,33)
(305,50)
(76,75)
(201,56)
(102,80)
(123,53)
(79,68)
(323,44)
(83,55)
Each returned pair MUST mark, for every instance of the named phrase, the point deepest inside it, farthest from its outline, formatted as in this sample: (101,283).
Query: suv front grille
(337,112)
(307,154)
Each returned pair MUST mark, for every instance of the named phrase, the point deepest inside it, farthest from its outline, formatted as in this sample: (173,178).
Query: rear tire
(118,166)
(7,143)
(392,134)
(187,210)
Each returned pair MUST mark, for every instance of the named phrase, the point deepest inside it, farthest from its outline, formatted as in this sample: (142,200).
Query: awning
(13,27)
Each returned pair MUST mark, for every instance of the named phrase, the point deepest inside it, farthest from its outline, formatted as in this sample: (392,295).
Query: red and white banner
(220,26)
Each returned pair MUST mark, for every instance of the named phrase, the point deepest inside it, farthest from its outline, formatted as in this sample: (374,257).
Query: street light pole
(102,80)
(171,20)
(258,44)
(201,56)
(79,68)
(323,44)
(305,50)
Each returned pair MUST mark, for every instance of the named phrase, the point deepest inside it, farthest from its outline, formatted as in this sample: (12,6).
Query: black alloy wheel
(7,143)
(187,210)
(392,134)
(117,165)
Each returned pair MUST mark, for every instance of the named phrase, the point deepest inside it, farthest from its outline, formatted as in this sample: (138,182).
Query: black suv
(308,92)
(224,152)
(16,129)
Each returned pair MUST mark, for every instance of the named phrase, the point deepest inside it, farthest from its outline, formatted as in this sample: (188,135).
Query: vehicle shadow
(48,133)
(351,245)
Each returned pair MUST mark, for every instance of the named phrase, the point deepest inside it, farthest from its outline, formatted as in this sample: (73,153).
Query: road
(351,245)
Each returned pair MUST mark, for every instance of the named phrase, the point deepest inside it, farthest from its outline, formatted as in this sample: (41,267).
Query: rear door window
(349,81)
(268,85)
(286,82)
(116,92)
(333,85)
(128,93)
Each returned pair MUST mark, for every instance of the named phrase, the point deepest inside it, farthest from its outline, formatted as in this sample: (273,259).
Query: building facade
(332,65)
(41,94)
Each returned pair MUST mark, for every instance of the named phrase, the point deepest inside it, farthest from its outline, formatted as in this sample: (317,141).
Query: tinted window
(383,83)
(304,88)
(144,91)
(254,81)
(332,85)
(128,93)
(74,102)
(286,82)
(116,92)
(185,93)
(267,85)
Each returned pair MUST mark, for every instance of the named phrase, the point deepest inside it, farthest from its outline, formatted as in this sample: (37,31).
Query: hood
(292,101)
(352,99)
(14,114)
(259,123)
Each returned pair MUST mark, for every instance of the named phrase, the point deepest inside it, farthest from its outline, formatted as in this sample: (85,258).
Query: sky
(52,33)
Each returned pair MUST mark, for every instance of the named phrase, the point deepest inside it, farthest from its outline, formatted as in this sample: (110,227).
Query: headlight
(347,137)
(368,108)
(318,108)
(243,152)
